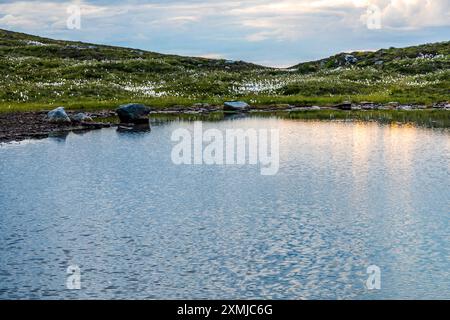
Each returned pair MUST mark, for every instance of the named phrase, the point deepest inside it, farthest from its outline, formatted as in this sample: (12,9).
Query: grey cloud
(275,33)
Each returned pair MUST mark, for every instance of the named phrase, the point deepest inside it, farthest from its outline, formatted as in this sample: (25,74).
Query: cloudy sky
(269,32)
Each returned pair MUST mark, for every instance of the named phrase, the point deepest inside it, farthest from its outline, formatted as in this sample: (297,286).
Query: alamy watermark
(234,147)
(373,17)
(373,282)
(73,281)
(73,21)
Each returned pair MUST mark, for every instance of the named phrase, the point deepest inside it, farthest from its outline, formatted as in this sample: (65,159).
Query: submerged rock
(133,113)
(58,115)
(236,106)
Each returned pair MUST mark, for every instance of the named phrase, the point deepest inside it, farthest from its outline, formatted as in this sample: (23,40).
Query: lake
(347,195)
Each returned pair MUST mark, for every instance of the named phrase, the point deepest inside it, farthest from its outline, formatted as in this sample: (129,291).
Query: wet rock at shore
(201,105)
(407,108)
(81,117)
(58,115)
(235,106)
(442,106)
(346,105)
(366,105)
(95,125)
(392,105)
(133,113)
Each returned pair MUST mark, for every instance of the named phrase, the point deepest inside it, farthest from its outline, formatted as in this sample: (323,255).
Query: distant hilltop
(435,55)
(21,44)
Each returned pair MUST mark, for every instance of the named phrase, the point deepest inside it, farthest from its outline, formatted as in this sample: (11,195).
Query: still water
(346,196)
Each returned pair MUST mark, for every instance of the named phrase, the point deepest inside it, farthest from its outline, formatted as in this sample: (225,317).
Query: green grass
(39,74)
(92,105)
(166,102)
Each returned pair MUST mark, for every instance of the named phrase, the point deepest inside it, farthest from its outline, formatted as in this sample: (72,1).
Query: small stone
(58,115)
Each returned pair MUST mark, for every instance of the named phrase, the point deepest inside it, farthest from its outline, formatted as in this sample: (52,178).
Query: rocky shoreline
(348,106)
(18,126)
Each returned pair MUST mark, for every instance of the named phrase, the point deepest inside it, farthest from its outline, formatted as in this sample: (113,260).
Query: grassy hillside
(411,60)
(39,72)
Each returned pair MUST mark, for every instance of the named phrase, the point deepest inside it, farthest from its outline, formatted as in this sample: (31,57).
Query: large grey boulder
(235,106)
(133,113)
(58,115)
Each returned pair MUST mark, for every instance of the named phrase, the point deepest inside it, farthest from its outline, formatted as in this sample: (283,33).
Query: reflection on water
(59,136)
(142,127)
(347,195)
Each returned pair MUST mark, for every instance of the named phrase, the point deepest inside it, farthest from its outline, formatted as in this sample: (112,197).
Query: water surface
(347,196)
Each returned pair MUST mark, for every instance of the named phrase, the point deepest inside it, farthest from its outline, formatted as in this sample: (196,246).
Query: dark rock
(346,105)
(133,113)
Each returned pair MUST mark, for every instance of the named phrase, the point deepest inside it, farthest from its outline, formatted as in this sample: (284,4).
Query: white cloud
(12,21)
(406,14)
(276,18)
(227,26)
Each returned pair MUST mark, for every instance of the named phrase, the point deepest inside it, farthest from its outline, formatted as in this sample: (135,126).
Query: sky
(278,33)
